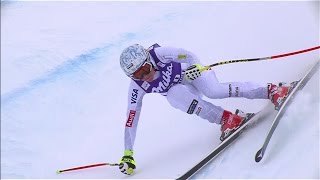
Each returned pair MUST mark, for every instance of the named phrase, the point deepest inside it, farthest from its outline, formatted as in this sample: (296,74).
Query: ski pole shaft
(258,59)
(85,167)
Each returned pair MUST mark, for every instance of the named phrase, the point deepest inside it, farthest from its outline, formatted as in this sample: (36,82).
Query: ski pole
(257,59)
(88,166)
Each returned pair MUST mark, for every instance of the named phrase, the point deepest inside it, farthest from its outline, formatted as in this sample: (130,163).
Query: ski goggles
(144,70)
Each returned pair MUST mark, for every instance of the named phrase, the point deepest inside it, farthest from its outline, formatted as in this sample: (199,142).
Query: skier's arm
(168,54)
(135,96)
(190,63)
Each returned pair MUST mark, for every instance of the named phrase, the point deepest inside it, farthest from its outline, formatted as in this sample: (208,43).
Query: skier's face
(145,72)
(149,77)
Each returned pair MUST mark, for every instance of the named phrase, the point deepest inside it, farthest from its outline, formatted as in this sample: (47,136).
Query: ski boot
(231,122)
(278,94)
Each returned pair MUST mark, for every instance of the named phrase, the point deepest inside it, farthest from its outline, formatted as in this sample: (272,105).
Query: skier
(175,73)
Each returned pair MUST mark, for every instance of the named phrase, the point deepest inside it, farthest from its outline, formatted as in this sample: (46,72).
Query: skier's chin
(149,79)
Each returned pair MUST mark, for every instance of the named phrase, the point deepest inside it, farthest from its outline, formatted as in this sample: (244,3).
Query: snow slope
(63,94)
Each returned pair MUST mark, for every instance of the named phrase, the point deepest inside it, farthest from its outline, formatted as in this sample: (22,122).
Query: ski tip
(58,171)
(259,156)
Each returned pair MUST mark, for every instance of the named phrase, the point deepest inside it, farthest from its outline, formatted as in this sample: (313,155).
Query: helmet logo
(130,65)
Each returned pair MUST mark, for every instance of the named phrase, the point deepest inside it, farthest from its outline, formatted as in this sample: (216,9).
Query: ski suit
(170,64)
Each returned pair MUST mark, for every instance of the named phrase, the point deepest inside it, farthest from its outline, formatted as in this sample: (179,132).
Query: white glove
(193,72)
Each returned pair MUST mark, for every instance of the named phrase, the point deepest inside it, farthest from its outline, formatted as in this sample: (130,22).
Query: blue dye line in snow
(69,66)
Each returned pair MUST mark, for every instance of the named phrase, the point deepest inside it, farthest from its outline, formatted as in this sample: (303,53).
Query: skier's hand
(127,164)
(193,72)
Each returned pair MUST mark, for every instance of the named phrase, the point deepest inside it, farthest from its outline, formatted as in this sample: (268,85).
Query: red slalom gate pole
(259,59)
(85,167)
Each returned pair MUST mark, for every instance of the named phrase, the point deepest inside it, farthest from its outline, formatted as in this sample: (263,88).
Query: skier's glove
(127,164)
(193,72)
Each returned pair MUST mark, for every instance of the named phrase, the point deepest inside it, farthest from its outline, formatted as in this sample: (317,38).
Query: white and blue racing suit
(184,95)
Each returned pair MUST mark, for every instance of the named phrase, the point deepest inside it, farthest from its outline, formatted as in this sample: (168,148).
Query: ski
(297,86)
(225,143)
